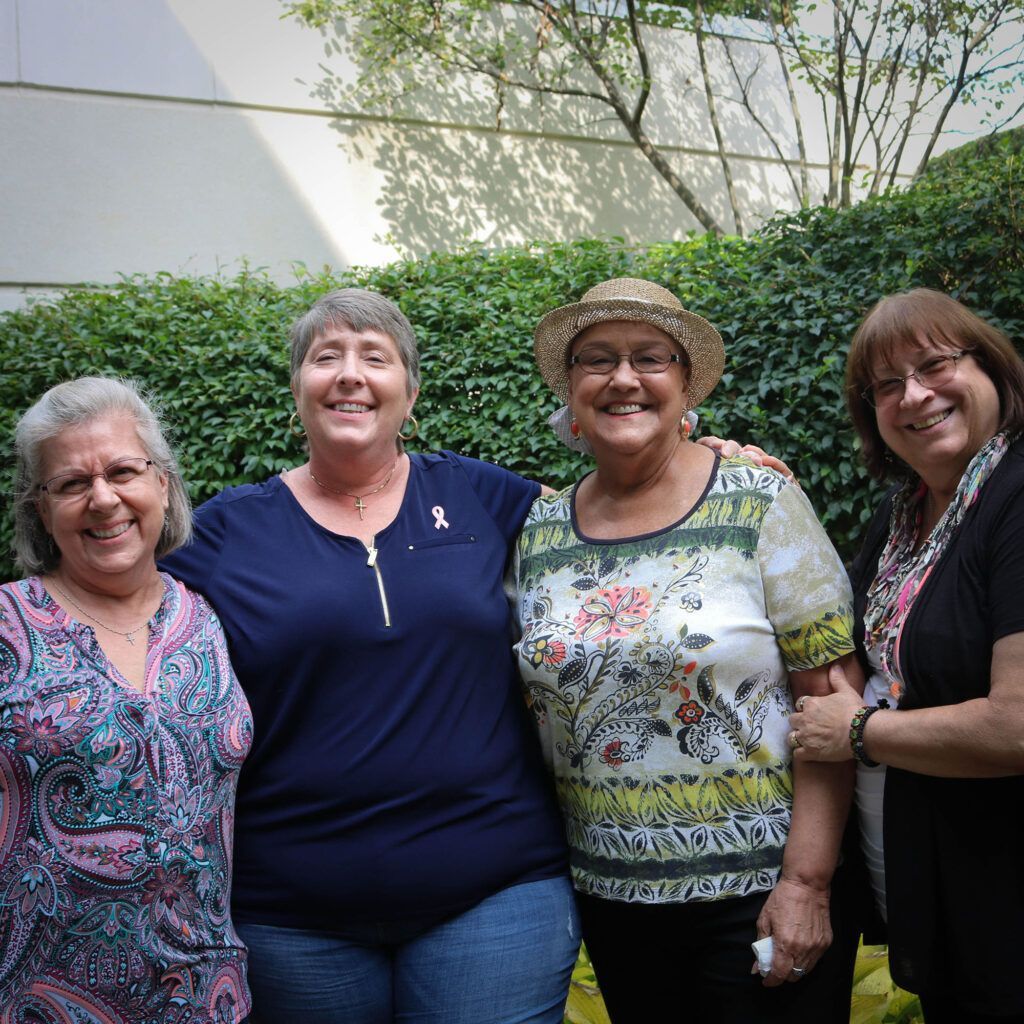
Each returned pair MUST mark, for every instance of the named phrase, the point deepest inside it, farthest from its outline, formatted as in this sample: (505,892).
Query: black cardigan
(954,848)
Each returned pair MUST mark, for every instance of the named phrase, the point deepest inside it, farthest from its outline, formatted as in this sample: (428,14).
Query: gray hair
(359,310)
(69,405)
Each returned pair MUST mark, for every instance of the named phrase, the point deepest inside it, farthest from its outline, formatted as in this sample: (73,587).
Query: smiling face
(106,537)
(352,392)
(624,411)
(937,430)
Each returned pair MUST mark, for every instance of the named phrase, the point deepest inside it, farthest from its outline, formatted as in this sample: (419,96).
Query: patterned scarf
(901,573)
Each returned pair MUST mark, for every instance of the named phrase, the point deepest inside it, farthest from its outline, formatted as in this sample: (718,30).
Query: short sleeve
(807,594)
(194,564)
(12,638)
(506,495)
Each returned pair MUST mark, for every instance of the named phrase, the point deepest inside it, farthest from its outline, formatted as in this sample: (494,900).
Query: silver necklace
(129,635)
(360,504)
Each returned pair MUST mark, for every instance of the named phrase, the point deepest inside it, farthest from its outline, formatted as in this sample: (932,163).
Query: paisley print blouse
(116,813)
(656,669)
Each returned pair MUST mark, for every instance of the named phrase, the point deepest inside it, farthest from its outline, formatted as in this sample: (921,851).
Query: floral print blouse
(656,670)
(116,814)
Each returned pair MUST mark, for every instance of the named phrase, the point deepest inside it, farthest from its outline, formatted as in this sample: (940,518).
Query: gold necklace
(360,504)
(129,635)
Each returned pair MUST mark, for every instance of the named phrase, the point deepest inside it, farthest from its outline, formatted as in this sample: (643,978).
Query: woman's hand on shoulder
(728,448)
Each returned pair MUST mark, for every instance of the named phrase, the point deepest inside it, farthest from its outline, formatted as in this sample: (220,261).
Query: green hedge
(786,301)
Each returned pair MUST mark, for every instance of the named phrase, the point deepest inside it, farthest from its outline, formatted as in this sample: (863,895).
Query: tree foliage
(874,76)
(786,301)
(880,69)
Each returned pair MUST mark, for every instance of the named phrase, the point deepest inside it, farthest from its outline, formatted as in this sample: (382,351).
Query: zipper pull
(372,560)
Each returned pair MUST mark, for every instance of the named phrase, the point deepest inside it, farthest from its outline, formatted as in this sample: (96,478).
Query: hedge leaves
(786,301)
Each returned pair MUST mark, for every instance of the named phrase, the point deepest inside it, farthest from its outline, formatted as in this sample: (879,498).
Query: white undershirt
(869,791)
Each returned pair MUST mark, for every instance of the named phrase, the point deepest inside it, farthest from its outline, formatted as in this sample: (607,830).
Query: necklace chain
(129,635)
(360,505)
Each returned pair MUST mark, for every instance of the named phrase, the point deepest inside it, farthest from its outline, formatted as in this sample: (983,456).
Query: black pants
(944,1009)
(691,962)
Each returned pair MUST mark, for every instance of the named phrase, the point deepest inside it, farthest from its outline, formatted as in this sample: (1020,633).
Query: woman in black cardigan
(937,397)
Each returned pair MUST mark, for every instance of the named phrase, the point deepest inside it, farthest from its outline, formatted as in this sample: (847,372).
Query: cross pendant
(360,505)
(130,637)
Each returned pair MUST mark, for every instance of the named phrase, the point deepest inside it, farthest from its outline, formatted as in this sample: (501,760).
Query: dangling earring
(574,428)
(291,426)
(415,428)
(685,427)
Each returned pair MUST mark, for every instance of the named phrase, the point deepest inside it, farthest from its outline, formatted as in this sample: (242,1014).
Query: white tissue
(763,950)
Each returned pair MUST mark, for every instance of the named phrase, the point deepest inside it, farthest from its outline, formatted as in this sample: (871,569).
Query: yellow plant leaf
(870,959)
(868,1009)
(585,1005)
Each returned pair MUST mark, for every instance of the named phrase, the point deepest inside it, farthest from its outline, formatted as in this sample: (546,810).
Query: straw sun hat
(628,298)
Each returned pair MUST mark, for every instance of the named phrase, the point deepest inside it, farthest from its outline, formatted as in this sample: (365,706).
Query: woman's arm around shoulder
(194,564)
(978,738)
(505,495)
(981,738)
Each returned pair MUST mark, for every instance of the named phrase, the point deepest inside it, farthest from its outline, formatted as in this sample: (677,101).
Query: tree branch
(709,95)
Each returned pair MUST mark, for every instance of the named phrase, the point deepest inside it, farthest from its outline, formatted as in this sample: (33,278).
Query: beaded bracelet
(857,724)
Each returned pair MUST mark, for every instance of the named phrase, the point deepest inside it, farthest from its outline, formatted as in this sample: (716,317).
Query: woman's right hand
(820,726)
(728,448)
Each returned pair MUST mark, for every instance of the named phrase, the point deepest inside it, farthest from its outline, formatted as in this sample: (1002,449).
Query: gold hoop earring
(291,426)
(415,428)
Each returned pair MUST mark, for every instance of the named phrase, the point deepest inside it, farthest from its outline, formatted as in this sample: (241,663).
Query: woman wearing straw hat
(674,605)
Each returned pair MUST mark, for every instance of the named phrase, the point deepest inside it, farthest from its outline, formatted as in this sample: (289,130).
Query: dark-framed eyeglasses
(120,475)
(932,373)
(601,362)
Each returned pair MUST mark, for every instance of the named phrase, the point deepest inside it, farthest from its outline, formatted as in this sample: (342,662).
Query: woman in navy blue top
(398,853)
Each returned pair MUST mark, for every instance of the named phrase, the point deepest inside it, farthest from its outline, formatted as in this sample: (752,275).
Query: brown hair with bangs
(912,319)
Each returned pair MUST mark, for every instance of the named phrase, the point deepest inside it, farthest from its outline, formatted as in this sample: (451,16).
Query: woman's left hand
(796,916)
(820,727)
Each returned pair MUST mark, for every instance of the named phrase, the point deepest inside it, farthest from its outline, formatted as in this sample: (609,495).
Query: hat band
(632,298)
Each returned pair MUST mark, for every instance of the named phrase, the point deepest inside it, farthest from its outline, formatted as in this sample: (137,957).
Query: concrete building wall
(189,135)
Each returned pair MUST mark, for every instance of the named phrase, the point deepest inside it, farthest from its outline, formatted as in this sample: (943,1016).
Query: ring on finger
(799,971)
(794,740)
(801,702)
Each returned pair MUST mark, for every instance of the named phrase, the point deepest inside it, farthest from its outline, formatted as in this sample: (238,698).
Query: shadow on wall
(452,169)
(443,187)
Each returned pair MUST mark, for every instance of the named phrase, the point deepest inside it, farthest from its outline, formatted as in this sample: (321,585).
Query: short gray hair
(69,405)
(359,310)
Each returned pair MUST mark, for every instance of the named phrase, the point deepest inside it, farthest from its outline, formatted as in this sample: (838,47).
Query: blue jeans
(508,960)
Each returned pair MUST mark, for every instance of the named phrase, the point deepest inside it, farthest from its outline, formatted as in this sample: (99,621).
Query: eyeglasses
(601,362)
(932,373)
(120,475)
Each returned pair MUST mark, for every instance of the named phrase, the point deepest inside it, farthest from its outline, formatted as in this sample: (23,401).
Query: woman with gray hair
(122,732)
(399,852)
